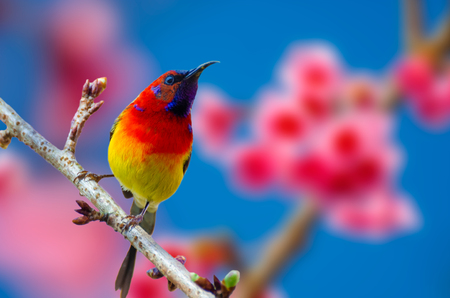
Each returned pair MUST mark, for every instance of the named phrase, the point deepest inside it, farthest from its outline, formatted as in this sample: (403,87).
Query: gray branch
(65,162)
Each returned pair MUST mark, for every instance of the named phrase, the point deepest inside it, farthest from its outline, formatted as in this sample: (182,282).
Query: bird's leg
(90,176)
(134,220)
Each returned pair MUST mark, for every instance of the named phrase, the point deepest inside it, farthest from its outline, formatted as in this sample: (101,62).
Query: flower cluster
(427,94)
(322,134)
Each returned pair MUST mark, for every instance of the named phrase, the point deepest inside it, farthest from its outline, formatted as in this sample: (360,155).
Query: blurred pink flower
(316,106)
(352,155)
(428,95)
(44,247)
(414,75)
(313,68)
(433,106)
(376,217)
(278,122)
(352,135)
(214,120)
(253,167)
(13,177)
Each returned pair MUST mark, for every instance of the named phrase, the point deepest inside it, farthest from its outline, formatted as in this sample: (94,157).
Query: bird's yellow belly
(150,177)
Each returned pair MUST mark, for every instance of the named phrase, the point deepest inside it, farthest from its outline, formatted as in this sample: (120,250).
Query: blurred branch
(65,162)
(412,23)
(441,39)
(432,48)
(279,250)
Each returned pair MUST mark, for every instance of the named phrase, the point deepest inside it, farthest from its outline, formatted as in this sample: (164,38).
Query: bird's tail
(123,280)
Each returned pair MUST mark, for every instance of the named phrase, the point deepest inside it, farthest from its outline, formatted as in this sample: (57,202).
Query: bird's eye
(169,80)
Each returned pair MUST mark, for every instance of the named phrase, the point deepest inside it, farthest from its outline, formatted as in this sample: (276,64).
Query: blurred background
(315,104)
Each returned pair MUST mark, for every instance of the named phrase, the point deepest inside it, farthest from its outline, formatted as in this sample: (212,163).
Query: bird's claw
(133,220)
(89,176)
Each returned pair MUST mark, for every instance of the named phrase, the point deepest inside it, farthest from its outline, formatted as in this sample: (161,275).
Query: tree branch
(433,47)
(412,23)
(281,248)
(65,162)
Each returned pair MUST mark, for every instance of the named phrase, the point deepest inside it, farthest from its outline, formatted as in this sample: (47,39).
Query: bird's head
(178,88)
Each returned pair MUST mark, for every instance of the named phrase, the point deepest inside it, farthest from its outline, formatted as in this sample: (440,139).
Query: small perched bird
(150,149)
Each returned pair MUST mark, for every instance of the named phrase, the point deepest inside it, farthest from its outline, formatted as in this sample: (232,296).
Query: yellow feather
(150,177)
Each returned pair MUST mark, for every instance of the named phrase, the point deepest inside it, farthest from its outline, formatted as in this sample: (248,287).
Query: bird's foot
(133,220)
(88,214)
(90,176)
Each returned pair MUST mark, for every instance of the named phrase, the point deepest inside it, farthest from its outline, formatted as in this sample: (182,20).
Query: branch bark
(65,162)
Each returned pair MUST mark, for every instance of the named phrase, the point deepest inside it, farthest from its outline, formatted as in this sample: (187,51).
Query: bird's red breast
(146,120)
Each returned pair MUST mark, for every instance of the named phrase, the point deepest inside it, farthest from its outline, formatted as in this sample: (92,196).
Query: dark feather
(113,128)
(186,163)
(127,194)
(123,280)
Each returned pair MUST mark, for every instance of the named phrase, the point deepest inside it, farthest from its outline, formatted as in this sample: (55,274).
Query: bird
(149,151)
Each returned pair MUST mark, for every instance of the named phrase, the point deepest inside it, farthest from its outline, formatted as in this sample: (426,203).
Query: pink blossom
(376,217)
(414,75)
(351,156)
(253,167)
(307,174)
(214,121)
(312,68)
(428,95)
(352,135)
(316,106)
(433,105)
(279,122)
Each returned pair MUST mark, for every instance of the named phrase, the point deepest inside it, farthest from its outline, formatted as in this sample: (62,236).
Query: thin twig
(85,110)
(65,162)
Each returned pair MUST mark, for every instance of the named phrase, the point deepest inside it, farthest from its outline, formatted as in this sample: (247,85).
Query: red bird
(150,149)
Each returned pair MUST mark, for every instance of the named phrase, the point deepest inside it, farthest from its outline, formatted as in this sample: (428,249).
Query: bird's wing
(186,163)
(127,194)
(113,128)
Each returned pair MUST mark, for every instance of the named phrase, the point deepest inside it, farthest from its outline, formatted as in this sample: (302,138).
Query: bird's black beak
(196,72)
